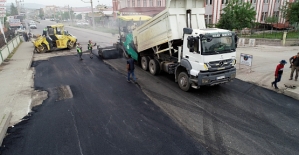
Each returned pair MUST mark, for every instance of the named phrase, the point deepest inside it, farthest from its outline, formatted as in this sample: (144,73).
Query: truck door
(191,52)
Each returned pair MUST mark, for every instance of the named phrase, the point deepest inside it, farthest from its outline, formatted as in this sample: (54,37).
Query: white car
(33,26)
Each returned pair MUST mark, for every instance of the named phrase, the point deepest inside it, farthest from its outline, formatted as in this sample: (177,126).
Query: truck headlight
(207,66)
(234,61)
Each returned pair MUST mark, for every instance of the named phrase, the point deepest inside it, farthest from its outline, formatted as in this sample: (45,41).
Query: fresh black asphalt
(106,116)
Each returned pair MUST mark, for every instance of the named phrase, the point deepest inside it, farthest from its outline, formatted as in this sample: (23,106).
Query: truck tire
(183,81)
(154,67)
(144,63)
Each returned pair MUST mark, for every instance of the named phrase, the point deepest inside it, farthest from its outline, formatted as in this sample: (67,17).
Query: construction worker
(79,50)
(89,47)
(45,30)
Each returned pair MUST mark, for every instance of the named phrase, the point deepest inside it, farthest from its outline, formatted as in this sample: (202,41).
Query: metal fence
(9,34)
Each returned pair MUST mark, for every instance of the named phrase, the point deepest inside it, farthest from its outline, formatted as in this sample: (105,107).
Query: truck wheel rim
(144,65)
(183,81)
(152,68)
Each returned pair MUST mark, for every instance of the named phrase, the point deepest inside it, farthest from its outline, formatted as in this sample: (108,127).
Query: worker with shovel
(79,50)
(89,47)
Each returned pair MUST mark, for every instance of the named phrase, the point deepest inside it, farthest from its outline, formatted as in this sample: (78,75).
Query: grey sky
(73,3)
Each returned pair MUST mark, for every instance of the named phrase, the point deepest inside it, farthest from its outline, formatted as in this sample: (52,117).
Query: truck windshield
(218,46)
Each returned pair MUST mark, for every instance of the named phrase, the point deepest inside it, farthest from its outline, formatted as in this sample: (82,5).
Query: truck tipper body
(177,42)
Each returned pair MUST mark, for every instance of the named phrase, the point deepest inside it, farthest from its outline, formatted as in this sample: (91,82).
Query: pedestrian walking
(131,68)
(89,47)
(278,73)
(294,61)
(79,50)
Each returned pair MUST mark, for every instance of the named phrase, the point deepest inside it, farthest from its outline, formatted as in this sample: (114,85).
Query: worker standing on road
(131,68)
(294,61)
(89,47)
(278,73)
(79,50)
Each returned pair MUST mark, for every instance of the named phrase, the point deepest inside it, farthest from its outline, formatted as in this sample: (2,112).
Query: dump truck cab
(56,38)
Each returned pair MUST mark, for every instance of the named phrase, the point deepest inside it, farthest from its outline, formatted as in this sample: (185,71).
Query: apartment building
(138,7)
(264,8)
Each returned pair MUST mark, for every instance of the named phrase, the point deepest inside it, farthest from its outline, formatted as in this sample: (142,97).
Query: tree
(271,20)
(13,10)
(237,15)
(79,16)
(290,11)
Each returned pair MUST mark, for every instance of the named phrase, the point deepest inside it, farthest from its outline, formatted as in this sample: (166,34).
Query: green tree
(237,15)
(293,13)
(13,10)
(271,20)
(79,16)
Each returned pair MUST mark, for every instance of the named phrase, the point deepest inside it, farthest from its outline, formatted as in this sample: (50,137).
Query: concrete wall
(274,42)
(7,49)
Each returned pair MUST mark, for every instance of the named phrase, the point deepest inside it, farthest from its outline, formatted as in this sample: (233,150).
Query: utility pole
(93,23)
(18,5)
(70,15)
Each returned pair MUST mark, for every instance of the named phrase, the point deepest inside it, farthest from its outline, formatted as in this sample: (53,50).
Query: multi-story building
(264,8)
(141,7)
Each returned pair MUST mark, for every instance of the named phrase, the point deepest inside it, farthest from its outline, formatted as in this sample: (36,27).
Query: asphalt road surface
(106,115)
(235,118)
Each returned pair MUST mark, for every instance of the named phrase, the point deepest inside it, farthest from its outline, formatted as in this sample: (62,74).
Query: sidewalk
(16,87)
(265,60)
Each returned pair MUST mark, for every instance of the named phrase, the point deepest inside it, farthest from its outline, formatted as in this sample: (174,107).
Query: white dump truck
(177,42)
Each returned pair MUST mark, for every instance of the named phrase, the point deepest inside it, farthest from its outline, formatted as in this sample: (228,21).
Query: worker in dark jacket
(131,68)
(79,50)
(294,61)
(278,73)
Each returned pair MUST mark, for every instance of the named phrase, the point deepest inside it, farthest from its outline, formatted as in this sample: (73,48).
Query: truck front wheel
(183,81)
(144,63)
(154,66)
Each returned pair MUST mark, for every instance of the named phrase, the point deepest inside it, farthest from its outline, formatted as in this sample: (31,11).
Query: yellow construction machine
(55,38)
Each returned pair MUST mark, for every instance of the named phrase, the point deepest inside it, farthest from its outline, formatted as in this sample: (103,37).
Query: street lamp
(93,23)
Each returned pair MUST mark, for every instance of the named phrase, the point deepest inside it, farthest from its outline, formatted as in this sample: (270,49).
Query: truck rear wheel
(183,81)
(145,63)
(154,66)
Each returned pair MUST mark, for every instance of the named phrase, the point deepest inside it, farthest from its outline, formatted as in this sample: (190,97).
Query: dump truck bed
(168,25)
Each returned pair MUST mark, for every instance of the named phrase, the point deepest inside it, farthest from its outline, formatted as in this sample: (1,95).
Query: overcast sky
(73,3)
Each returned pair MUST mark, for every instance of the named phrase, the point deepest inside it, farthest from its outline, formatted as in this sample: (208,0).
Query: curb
(30,62)
(292,93)
(4,123)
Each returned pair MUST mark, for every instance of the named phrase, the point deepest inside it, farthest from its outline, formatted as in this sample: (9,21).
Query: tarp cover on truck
(135,18)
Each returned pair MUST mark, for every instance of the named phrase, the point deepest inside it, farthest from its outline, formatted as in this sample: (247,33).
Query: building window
(159,3)
(224,1)
(128,3)
(208,19)
(144,3)
(276,14)
(209,2)
(252,1)
(266,1)
(264,16)
(277,1)
(138,3)
(151,3)
(133,3)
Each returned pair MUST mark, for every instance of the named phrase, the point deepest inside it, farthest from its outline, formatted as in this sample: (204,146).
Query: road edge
(4,123)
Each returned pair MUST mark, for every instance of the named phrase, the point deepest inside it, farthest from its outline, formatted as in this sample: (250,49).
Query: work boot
(295,79)
(291,79)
